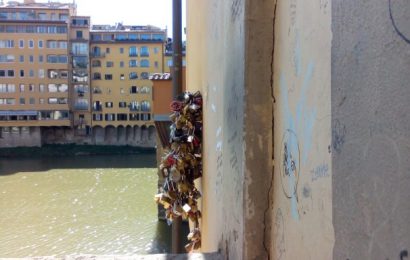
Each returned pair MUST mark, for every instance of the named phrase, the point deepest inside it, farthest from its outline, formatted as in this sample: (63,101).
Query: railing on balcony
(97,55)
(81,106)
(97,108)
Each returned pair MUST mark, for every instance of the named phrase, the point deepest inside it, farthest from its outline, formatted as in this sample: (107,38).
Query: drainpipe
(177,90)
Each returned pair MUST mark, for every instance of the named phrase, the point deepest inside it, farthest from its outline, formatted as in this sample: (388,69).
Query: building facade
(65,81)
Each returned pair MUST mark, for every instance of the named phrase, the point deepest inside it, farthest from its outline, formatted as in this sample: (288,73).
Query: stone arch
(99,134)
(129,134)
(121,135)
(110,135)
(151,132)
(137,134)
(144,134)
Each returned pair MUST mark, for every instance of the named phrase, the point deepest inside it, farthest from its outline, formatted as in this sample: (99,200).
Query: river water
(55,206)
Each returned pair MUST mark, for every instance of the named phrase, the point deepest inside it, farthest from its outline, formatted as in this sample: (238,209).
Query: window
(21,43)
(156,64)
(40,58)
(96,37)
(6,58)
(6,44)
(107,50)
(122,117)
(79,34)
(134,117)
(169,63)
(21,58)
(144,51)
(41,100)
(64,74)
(122,104)
(31,44)
(57,100)
(109,117)
(133,75)
(31,58)
(144,63)
(96,76)
(121,64)
(145,106)
(97,117)
(21,73)
(80,76)
(79,48)
(121,37)
(42,16)
(108,37)
(121,50)
(132,63)
(7,101)
(32,101)
(108,76)
(7,88)
(97,90)
(97,106)
(81,104)
(6,73)
(52,88)
(134,90)
(122,77)
(57,59)
(31,73)
(22,101)
(145,90)
(158,37)
(145,36)
(132,36)
(40,44)
(109,64)
(42,88)
(41,73)
(144,75)
(108,104)
(133,51)
(156,50)
(21,87)
(135,106)
(31,87)
(80,62)
(52,74)
(96,64)
(122,91)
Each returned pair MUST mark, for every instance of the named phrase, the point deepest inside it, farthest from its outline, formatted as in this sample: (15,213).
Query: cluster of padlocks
(183,164)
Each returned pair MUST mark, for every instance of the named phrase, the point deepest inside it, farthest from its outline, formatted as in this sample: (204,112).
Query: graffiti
(320,171)
(323,5)
(279,235)
(292,12)
(299,126)
(338,135)
(307,191)
(395,25)
(236,9)
(290,167)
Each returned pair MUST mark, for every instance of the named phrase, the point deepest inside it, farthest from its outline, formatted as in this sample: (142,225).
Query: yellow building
(62,83)
(122,58)
(34,64)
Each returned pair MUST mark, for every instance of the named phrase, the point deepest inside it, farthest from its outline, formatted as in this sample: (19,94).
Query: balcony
(97,108)
(97,55)
(133,55)
(82,107)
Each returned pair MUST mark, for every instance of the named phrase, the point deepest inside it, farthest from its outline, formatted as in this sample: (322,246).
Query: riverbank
(72,150)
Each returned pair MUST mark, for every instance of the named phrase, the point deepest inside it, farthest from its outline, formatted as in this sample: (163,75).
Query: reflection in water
(80,205)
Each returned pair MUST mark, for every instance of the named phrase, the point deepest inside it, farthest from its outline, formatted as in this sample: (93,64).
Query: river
(55,206)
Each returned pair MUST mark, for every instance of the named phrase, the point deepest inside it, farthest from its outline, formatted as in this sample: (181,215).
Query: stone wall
(20,136)
(36,136)
(370,129)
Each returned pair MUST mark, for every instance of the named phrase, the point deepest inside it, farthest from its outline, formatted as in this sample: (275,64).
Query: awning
(18,113)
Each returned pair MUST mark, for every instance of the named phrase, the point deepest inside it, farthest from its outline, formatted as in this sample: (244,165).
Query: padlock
(175,174)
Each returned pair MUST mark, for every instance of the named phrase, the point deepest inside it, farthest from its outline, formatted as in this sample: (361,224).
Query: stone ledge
(193,256)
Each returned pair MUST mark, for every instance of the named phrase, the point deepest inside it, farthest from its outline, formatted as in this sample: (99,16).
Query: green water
(55,206)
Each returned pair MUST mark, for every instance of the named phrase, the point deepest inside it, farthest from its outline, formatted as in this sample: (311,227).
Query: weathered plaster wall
(302,214)
(216,65)
(371,128)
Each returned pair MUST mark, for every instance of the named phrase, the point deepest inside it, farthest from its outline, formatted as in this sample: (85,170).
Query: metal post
(176,47)
(177,90)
